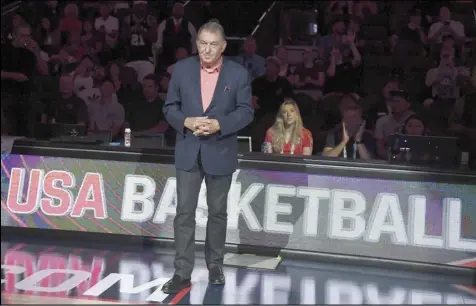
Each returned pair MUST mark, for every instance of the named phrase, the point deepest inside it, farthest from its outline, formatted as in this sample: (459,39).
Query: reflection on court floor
(41,273)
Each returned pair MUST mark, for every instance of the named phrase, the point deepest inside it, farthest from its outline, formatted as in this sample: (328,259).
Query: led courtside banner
(403,220)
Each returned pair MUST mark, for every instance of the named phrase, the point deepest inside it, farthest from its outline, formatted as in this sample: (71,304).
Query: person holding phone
(446,26)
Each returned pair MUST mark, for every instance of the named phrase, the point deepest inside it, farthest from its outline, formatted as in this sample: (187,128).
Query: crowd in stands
(364,77)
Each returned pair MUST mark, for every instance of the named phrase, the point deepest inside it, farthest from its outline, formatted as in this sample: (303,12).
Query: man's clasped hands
(202,126)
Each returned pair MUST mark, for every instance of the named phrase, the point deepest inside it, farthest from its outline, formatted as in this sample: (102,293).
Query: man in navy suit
(208,102)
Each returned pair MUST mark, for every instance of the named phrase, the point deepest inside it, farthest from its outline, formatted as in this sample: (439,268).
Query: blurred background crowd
(345,75)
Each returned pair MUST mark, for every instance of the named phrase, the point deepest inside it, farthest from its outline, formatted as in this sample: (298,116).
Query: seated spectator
(7,32)
(145,114)
(444,80)
(47,38)
(448,45)
(446,26)
(91,40)
(71,53)
(309,74)
(70,24)
(270,90)
(381,104)
(250,60)
(130,88)
(287,135)
(180,54)
(140,32)
(343,71)
(164,85)
(414,126)
(113,72)
(285,69)
(83,79)
(354,27)
(392,123)
(349,139)
(362,9)
(107,25)
(174,33)
(338,9)
(412,38)
(66,107)
(51,11)
(106,115)
(21,60)
(334,39)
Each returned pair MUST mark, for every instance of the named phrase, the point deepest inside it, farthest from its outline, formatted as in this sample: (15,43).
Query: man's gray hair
(213,26)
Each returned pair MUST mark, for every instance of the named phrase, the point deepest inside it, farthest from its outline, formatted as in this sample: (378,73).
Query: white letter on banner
(239,293)
(308,291)
(418,297)
(238,203)
(338,212)
(273,208)
(343,293)
(132,197)
(452,213)
(387,217)
(275,289)
(129,269)
(167,203)
(31,283)
(417,224)
(396,295)
(11,269)
(312,197)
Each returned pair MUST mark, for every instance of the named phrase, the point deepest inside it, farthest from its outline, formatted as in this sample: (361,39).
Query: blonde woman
(287,135)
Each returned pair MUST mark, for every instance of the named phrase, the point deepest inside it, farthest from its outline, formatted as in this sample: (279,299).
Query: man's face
(282,54)
(210,46)
(415,19)
(140,9)
(66,85)
(339,27)
(249,47)
(387,90)
(399,104)
(107,89)
(177,11)
(149,88)
(181,54)
(272,69)
(22,36)
(104,10)
(445,14)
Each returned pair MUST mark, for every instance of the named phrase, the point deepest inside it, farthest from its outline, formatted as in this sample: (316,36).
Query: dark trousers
(188,189)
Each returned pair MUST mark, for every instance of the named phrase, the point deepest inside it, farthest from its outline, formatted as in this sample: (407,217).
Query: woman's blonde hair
(278,130)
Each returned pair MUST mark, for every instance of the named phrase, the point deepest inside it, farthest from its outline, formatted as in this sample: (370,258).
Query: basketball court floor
(46,272)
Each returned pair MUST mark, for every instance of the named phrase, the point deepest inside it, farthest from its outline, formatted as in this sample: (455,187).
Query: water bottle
(265,147)
(127,136)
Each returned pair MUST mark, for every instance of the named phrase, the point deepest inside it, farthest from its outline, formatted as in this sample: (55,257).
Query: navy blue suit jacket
(231,106)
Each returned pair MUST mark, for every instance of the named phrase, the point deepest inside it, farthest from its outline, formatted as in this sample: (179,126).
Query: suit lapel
(220,85)
(196,83)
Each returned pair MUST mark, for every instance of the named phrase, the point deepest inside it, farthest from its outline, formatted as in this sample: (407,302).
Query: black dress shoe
(215,275)
(176,284)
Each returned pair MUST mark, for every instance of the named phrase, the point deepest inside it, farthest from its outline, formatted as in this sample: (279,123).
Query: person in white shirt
(107,25)
(446,26)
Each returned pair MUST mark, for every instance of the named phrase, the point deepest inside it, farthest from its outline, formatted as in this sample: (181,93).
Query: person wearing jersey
(174,33)
(140,34)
